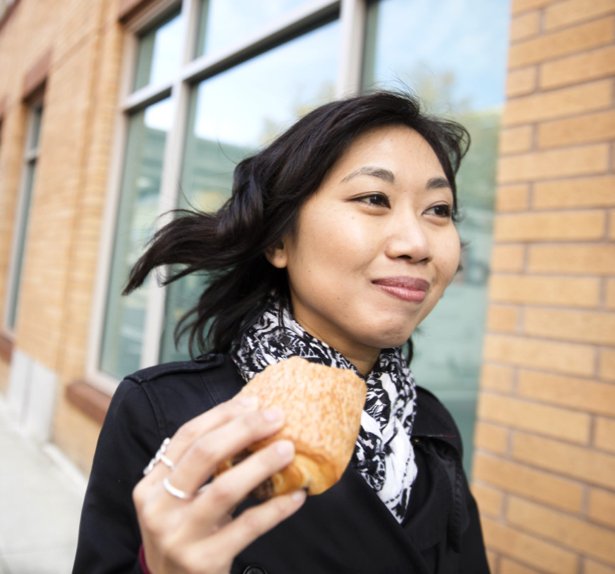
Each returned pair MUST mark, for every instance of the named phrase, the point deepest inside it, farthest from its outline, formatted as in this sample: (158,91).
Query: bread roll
(323,407)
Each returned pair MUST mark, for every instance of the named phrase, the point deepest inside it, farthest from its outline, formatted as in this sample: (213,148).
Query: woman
(338,240)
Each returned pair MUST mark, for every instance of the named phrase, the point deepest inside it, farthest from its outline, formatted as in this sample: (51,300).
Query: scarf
(383,453)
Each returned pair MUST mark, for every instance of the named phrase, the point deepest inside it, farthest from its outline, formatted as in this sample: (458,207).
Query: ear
(277,255)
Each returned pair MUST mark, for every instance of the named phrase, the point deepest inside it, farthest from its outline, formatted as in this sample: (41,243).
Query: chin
(388,340)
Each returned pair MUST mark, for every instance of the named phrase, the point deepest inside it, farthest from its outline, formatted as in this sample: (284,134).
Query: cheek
(449,255)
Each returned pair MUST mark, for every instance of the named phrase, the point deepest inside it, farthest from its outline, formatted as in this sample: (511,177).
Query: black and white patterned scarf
(383,453)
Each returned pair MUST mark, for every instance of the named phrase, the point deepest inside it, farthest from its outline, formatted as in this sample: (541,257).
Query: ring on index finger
(160,456)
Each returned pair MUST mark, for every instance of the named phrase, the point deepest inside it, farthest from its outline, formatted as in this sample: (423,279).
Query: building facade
(114,111)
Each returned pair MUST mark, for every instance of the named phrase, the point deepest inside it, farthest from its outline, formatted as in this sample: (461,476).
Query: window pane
(225,126)
(138,208)
(226,22)
(159,54)
(35,128)
(35,120)
(20,245)
(452,53)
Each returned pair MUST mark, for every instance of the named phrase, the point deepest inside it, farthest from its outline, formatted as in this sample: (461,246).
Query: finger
(230,488)
(202,458)
(256,521)
(195,428)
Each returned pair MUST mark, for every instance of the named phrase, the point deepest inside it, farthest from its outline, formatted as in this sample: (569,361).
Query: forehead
(397,148)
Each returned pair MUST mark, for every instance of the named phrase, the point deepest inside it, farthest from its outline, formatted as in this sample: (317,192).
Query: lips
(411,289)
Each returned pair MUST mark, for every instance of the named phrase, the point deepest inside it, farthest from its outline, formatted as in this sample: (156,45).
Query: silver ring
(174,491)
(160,456)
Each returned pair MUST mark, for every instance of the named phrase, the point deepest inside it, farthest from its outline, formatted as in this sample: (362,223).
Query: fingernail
(285,448)
(298,496)
(248,402)
(273,414)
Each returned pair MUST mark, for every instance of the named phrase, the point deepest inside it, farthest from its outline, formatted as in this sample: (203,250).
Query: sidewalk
(40,503)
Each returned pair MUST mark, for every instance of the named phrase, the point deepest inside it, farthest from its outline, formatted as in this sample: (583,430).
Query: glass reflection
(158,54)
(452,54)
(233,114)
(138,209)
(226,22)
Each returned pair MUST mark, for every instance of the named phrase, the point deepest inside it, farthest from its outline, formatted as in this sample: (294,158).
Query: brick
(573,392)
(544,290)
(538,485)
(508,566)
(524,25)
(503,318)
(593,467)
(577,68)
(545,556)
(579,192)
(589,259)
(585,160)
(589,128)
(561,14)
(591,567)
(560,43)
(521,81)
(580,326)
(536,417)
(569,531)
(607,364)
(519,6)
(559,357)
(563,102)
(492,560)
(601,506)
(490,437)
(508,258)
(555,225)
(610,292)
(490,500)
(605,434)
(512,198)
(517,139)
(497,377)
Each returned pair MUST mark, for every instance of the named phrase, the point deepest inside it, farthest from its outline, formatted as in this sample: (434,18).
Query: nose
(408,239)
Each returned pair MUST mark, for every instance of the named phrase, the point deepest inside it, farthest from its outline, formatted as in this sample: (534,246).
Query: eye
(442,210)
(374,199)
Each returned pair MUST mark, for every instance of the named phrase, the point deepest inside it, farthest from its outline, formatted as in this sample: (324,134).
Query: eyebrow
(378,172)
(438,183)
(388,175)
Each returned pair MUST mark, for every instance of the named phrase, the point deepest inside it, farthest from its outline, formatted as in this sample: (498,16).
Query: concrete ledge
(6,348)
(88,399)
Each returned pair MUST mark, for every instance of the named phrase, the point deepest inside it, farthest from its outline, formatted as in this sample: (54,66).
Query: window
(453,54)
(31,154)
(194,110)
(216,79)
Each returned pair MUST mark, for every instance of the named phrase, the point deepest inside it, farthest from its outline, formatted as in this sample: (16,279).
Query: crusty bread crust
(323,407)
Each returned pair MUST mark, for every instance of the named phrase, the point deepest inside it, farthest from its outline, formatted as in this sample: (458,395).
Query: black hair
(268,191)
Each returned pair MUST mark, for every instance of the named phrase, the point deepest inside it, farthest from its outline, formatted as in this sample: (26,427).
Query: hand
(199,535)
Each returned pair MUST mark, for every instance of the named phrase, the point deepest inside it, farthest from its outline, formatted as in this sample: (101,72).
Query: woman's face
(374,247)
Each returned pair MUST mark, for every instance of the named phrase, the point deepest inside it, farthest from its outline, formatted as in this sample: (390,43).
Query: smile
(405,288)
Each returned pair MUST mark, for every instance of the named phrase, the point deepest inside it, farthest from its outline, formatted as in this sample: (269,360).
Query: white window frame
(31,156)
(352,15)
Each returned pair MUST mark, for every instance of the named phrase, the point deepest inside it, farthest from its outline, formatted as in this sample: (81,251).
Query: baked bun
(323,407)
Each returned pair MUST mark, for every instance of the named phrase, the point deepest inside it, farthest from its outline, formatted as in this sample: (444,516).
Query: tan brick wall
(544,466)
(80,107)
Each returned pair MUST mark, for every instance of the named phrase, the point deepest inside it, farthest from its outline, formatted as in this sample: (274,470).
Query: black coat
(346,529)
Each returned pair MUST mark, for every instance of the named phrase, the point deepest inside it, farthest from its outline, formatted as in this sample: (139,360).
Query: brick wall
(84,42)
(544,467)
